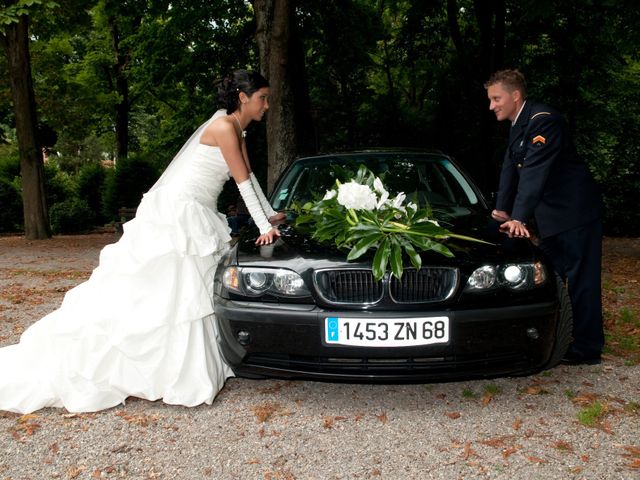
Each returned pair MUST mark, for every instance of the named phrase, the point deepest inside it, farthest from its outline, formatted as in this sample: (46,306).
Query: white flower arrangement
(360,215)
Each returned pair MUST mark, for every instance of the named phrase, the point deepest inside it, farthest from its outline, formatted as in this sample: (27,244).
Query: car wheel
(564,327)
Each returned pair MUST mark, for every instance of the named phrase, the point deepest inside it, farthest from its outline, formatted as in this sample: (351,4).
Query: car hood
(297,250)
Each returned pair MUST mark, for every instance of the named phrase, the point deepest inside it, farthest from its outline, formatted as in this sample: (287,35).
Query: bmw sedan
(299,309)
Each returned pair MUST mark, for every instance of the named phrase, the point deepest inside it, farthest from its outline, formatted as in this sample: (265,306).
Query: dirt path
(567,423)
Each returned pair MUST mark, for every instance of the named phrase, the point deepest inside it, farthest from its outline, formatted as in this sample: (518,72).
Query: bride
(158,341)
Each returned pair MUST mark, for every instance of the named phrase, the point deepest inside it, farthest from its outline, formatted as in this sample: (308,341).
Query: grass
(468,393)
(590,415)
(628,316)
(621,300)
(632,407)
(492,389)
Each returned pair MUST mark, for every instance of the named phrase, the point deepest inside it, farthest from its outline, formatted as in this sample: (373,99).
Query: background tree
(282,63)
(348,74)
(14,38)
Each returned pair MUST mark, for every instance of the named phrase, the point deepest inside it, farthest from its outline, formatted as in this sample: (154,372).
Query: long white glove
(253,205)
(266,206)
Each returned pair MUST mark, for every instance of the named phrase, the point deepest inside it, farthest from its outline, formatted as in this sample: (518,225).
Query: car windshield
(427,180)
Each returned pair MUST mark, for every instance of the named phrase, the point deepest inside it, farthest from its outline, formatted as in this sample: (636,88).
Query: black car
(299,309)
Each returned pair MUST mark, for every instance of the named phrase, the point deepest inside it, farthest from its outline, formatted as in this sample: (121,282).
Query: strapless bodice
(205,174)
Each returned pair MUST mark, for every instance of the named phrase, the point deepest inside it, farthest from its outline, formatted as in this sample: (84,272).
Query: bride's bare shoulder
(217,130)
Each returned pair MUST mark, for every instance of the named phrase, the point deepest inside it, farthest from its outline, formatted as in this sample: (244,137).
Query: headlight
(518,276)
(482,278)
(257,281)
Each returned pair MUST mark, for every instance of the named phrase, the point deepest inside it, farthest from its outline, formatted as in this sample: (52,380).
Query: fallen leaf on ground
(265,411)
(139,419)
(507,452)
(563,446)
(536,459)
(469,452)
(74,472)
(382,417)
(493,442)
(634,464)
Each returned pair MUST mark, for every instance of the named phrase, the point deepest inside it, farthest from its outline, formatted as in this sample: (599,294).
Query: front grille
(355,286)
(425,285)
(351,286)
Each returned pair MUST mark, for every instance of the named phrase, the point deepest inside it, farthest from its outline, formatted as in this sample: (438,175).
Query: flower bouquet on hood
(360,215)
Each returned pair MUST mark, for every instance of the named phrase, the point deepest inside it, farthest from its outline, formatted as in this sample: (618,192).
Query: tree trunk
(15,42)
(122,88)
(280,64)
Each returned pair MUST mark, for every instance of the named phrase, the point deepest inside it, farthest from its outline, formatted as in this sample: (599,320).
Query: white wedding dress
(143,325)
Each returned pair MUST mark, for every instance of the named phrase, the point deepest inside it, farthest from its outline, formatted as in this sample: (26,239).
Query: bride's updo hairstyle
(246,81)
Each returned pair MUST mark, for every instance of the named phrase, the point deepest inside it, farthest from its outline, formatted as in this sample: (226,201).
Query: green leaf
(428,228)
(469,239)
(414,256)
(363,245)
(438,247)
(360,231)
(380,259)
(396,259)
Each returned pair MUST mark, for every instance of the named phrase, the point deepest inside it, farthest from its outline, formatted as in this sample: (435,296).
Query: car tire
(564,327)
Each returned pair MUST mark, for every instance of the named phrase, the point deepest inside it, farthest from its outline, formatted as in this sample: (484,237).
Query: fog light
(533,333)
(243,337)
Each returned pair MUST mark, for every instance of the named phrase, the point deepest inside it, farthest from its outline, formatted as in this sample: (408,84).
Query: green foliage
(10,197)
(11,13)
(72,215)
(124,188)
(392,73)
(9,163)
(91,183)
(59,186)
(11,211)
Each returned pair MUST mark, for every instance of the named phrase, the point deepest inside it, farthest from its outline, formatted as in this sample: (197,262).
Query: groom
(544,179)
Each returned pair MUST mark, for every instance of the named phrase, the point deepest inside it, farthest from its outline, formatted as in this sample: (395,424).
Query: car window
(430,180)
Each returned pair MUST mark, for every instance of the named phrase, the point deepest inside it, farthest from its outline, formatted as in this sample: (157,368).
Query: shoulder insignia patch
(539,139)
(539,113)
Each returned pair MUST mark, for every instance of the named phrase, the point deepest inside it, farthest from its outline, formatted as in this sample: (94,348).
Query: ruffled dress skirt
(143,325)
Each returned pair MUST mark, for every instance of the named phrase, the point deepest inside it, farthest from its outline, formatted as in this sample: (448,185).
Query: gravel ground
(568,423)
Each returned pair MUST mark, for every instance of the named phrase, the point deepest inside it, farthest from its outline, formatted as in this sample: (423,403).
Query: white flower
(412,206)
(384,195)
(383,200)
(330,194)
(397,202)
(356,196)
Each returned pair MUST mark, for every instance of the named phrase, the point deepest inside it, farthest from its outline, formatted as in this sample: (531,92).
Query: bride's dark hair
(229,89)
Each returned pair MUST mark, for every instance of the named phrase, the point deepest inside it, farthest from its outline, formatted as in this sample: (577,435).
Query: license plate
(389,332)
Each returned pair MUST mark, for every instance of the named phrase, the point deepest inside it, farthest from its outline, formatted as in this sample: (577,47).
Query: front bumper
(286,341)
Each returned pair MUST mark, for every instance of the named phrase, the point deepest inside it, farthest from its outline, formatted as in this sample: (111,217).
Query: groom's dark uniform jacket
(543,178)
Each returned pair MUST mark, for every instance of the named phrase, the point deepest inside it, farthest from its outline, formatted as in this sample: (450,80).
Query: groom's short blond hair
(511,80)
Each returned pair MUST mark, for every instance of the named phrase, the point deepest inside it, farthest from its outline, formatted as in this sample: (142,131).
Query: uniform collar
(519,112)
